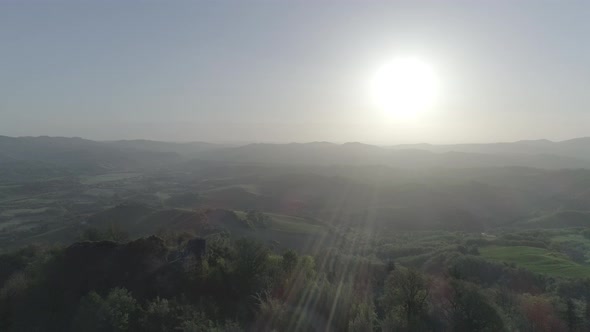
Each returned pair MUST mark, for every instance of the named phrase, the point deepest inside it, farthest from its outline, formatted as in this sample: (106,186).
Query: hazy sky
(291,71)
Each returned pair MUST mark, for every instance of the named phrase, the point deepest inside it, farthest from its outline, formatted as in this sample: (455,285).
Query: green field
(537,260)
(95,179)
(250,188)
(162,195)
(574,239)
(291,224)
(15,212)
(286,231)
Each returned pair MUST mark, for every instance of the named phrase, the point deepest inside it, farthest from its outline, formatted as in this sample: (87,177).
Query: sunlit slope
(537,260)
(280,230)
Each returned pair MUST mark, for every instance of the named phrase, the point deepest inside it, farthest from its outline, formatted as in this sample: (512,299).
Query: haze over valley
(52,187)
(237,166)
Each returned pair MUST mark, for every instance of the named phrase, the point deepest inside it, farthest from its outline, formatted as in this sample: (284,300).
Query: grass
(33,201)
(13,223)
(253,189)
(30,199)
(288,224)
(15,212)
(291,224)
(537,260)
(572,238)
(288,231)
(162,195)
(96,179)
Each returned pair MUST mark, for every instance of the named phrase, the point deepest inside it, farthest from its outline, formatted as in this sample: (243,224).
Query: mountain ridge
(127,154)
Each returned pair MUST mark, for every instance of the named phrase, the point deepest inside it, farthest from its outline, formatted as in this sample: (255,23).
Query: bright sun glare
(405,87)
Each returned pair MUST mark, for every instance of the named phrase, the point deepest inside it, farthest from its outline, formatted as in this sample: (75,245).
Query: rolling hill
(82,154)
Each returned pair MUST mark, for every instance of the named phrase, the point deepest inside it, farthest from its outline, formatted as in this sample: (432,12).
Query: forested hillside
(151,236)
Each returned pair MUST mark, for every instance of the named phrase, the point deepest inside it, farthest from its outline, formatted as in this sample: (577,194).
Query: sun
(405,87)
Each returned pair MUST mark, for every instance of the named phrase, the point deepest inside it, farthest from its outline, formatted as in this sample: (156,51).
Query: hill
(81,155)
(406,157)
(577,148)
(91,156)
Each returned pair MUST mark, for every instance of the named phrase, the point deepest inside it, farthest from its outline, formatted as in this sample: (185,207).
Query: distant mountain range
(574,148)
(132,154)
(462,156)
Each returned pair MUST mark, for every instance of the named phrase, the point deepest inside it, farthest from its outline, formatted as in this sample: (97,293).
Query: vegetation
(537,260)
(276,247)
(169,284)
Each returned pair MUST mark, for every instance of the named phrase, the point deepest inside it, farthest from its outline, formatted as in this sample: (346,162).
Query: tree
(272,314)
(255,218)
(390,266)
(250,274)
(112,233)
(571,316)
(251,259)
(115,233)
(92,234)
(471,310)
(540,314)
(364,319)
(116,312)
(159,316)
(289,261)
(406,293)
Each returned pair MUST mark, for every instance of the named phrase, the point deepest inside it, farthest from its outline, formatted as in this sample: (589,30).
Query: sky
(291,71)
